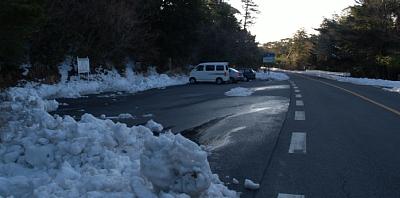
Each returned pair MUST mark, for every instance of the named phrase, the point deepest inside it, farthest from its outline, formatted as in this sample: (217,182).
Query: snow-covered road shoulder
(393,86)
(110,81)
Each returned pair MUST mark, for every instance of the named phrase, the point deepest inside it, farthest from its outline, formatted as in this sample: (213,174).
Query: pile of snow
(51,156)
(389,85)
(251,185)
(110,81)
(239,91)
(272,76)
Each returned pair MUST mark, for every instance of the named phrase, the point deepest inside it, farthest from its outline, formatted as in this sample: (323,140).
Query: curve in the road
(356,94)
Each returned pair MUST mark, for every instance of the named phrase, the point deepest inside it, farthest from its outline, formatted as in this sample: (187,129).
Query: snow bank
(319,72)
(110,81)
(51,156)
(272,76)
(388,85)
(239,91)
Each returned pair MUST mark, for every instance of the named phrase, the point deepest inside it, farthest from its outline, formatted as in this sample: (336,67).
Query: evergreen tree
(19,19)
(250,9)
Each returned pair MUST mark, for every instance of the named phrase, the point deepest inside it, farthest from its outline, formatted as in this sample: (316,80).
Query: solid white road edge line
(298,143)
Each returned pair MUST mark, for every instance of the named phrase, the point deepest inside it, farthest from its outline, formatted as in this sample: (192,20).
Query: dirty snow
(251,185)
(42,155)
(272,76)
(239,91)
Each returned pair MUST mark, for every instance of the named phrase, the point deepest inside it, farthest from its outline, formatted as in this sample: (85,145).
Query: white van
(210,72)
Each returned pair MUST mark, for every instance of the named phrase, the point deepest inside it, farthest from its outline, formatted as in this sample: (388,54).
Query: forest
(364,40)
(168,34)
(174,34)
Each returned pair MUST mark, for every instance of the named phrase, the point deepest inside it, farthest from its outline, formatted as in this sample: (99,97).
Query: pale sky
(282,18)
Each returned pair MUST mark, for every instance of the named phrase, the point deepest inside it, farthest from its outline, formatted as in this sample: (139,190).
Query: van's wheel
(192,80)
(219,81)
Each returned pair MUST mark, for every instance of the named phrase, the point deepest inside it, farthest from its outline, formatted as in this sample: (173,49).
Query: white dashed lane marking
(299,103)
(298,140)
(299,115)
(298,143)
(282,195)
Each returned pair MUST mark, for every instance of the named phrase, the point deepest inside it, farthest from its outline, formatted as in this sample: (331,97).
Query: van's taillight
(225,74)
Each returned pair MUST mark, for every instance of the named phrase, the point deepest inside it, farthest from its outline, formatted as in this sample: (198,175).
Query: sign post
(269,59)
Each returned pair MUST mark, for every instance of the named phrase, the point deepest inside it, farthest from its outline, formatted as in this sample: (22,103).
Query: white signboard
(269,58)
(83,65)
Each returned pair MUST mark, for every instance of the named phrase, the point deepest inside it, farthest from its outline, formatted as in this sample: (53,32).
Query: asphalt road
(328,139)
(352,144)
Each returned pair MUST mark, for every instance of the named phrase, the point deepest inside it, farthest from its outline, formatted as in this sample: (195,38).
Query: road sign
(269,58)
(83,65)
